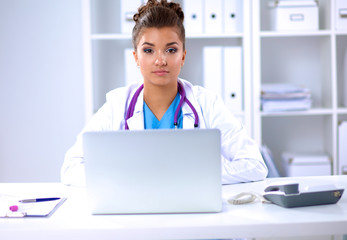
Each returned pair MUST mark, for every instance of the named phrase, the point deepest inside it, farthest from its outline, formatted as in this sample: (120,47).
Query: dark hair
(158,14)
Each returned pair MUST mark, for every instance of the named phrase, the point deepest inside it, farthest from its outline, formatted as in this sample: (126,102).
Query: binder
(212,58)
(269,161)
(342,150)
(128,9)
(193,11)
(213,16)
(132,72)
(341,14)
(233,91)
(344,64)
(233,16)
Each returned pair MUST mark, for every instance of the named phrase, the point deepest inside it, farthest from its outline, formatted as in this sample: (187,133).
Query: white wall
(41,87)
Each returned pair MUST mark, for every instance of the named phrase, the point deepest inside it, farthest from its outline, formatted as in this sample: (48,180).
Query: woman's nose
(160,59)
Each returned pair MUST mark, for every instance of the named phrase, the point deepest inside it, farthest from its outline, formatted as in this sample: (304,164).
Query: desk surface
(73,221)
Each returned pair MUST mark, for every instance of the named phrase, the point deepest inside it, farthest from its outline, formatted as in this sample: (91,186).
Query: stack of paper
(284,97)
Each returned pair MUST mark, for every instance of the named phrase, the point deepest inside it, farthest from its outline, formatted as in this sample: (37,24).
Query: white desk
(72,220)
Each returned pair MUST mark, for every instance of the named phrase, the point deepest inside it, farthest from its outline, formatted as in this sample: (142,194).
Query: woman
(159,51)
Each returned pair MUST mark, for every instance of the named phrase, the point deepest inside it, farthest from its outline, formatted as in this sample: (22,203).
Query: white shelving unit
(104,46)
(311,58)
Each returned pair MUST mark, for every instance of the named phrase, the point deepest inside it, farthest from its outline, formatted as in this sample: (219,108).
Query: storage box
(341,14)
(298,164)
(294,15)
(342,151)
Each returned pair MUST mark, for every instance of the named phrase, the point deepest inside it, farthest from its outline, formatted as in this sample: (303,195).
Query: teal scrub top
(167,121)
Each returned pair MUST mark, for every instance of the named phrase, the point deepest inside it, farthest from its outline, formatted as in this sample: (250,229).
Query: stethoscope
(181,91)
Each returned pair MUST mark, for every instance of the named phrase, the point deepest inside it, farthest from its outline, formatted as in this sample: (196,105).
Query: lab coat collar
(136,122)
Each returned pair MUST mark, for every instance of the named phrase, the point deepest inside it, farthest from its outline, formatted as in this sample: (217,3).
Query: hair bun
(162,3)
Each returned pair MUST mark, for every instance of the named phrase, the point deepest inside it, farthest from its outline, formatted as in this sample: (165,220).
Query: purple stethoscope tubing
(181,91)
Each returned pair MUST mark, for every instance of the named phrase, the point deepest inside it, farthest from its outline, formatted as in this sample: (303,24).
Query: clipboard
(36,209)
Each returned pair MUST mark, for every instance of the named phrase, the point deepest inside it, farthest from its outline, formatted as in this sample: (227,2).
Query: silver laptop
(153,171)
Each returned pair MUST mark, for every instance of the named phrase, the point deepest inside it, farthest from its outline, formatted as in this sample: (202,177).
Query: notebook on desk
(153,171)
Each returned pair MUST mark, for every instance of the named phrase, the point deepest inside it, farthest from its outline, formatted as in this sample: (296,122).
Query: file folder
(233,80)
(132,72)
(193,12)
(342,150)
(213,69)
(269,161)
(213,15)
(233,16)
(128,9)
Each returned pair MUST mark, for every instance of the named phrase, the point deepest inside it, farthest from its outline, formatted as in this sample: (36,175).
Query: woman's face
(160,56)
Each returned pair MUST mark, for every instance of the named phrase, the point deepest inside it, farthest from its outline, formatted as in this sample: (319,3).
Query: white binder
(344,64)
(213,15)
(341,14)
(128,9)
(213,69)
(193,16)
(342,142)
(132,72)
(233,16)
(233,79)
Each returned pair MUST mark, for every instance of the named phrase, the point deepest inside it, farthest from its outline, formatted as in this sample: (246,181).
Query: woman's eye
(147,50)
(172,50)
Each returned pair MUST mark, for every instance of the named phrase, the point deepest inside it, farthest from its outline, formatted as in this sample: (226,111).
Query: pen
(38,200)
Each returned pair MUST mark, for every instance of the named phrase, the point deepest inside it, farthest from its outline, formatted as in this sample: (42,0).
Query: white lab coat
(241,159)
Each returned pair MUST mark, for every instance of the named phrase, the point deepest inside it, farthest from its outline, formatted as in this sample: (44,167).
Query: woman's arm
(241,158)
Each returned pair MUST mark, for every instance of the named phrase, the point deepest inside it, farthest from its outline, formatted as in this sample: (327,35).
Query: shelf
(342,110)
(295,33)
(314,59)
(110,36)
(120,36)
(311,112)
(116,36)
(341,32)
(204,36)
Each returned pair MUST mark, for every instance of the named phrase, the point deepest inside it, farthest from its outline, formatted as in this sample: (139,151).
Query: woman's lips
(160,72)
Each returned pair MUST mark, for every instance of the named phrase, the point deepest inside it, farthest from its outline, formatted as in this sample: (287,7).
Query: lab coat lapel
(188,121)
(136,122)
(188,115)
